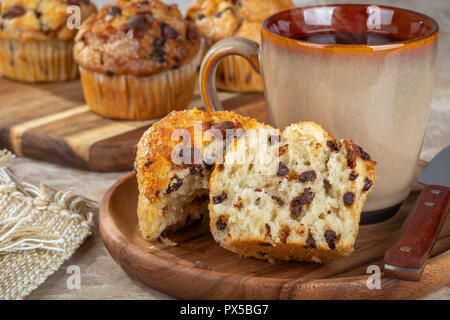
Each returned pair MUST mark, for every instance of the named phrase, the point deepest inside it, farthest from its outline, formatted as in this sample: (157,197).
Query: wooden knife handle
(406,258)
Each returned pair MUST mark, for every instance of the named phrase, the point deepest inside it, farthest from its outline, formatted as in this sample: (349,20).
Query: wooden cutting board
(180,271)
(51,122)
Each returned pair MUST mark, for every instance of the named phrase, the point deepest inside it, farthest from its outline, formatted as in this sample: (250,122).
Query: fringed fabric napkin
(40,228)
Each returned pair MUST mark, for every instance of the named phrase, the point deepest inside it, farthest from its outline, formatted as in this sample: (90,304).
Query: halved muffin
(174,161)
(297,195)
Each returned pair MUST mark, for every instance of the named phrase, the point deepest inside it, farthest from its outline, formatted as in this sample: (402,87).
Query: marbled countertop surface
(102,278)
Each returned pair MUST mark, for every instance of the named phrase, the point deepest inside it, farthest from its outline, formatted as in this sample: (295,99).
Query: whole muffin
(220,19)
(36,38)
(138,59)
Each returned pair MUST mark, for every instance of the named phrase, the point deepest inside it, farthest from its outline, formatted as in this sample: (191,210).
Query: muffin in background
(220,19)
(36,42)
(138,59)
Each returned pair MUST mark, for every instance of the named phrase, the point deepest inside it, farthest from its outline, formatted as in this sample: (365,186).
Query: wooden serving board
(180,271)
(51,122)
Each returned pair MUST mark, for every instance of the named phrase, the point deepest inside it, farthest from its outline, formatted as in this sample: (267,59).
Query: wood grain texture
(50,122)
(175,271)
(407,257)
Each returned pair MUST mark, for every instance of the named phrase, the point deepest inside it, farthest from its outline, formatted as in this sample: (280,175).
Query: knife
(407,257)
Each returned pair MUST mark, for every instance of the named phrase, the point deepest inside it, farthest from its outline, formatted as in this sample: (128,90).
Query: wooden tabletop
(102,278)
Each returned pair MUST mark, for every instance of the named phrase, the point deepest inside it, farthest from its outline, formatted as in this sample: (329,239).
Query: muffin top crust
(219,19)
(28,20)
(137,38)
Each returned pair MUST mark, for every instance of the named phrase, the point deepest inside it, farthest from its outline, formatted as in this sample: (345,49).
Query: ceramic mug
(377,94)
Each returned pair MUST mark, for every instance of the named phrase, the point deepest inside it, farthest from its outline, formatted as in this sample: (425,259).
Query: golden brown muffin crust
(28,20)
(154,153)
(134,37)
(219,19)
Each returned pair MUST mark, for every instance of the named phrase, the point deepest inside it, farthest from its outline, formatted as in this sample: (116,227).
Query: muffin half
(138,59)
(36,38)
(220,19)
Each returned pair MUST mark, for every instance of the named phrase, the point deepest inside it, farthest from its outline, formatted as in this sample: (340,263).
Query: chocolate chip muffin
(138,59)
(220,19)
(36,38)
(174,163)
(301,200)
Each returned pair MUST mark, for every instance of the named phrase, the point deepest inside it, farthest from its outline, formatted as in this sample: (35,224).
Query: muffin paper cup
(37,61)
(139,98)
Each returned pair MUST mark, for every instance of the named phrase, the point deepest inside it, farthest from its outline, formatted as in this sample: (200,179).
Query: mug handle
(245,48)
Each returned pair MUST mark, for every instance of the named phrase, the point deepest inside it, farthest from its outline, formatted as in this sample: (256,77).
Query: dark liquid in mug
(334,37)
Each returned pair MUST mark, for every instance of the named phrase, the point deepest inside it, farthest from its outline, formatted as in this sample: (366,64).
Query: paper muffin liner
(37,61)
(139,98)
(234,73)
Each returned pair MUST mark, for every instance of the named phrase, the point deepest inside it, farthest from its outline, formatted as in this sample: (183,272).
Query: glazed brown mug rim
(390,45)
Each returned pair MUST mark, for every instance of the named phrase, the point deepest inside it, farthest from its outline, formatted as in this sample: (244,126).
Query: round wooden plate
(198,268)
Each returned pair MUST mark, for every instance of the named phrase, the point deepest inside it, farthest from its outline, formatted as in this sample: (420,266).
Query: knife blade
(407,257)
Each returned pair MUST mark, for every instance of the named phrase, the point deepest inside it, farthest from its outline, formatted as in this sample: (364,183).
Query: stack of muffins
(137,59)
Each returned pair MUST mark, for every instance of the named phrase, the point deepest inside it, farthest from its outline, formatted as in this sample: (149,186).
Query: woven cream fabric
(40,228)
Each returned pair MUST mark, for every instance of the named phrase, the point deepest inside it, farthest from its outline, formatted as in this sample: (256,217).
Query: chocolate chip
(221,223)
(329,211)
(14,12)
(267,230)
(274,139)
(138,24)
(159,57)
(109,73)
(308,176)
(364,154)
(221,167)
(2,26)
(278,201)
(174,186)
(196,170)
(201,265)
(332,145)
(326,185)
(159,43)
(192,33)
(310,242)
(330,238)
(220,13)
(349,198)
(144,3)
(298,202)
(282,169)
(38,14)
(283,149)
(220,198)
(353,176)
(168,32)
(148,163)
(223,127)
(201,16)
(284,233)
(367,184)
(114,11)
